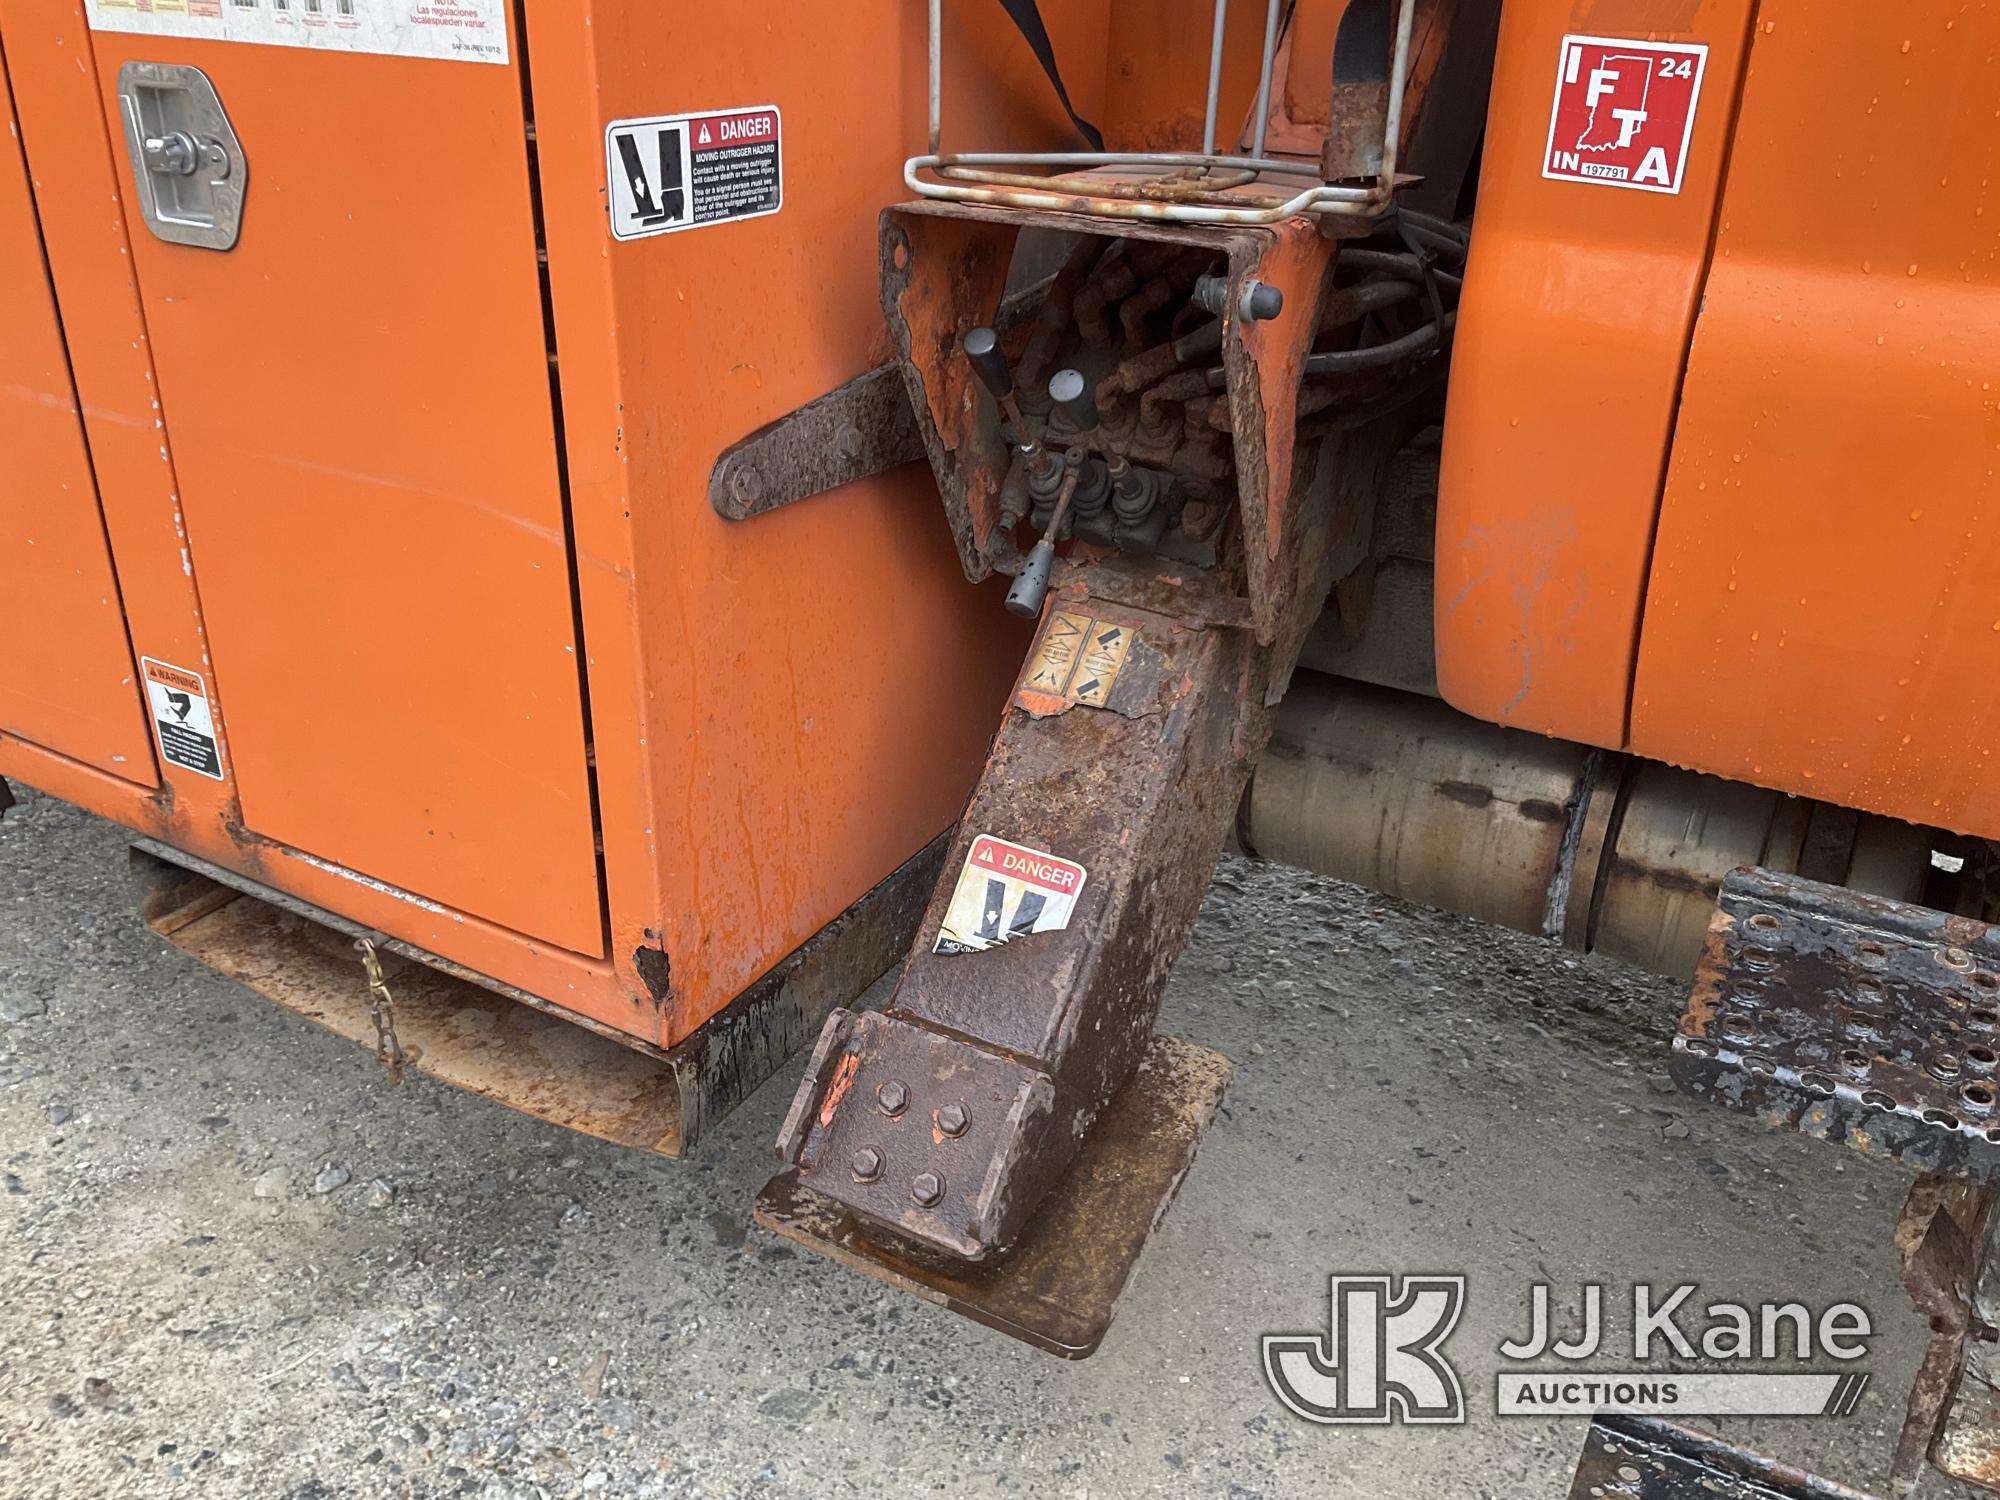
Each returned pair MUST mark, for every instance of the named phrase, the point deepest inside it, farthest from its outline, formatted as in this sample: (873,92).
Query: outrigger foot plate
(1057,1288)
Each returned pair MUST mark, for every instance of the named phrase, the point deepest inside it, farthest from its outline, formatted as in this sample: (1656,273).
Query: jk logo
(1378,1360)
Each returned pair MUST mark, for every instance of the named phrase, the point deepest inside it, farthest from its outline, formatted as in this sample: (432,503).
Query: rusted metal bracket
(944,268)
(1644,1458)
(1945,1238)
(1850,1017)
(516,1048)
(862,428)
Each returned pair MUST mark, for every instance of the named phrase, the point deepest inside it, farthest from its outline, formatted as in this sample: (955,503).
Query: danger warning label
(1624,112)
(669,172)
(179,703)
(1006,891)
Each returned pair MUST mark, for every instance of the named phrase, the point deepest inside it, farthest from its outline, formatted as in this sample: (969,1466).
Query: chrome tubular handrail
(1187,187)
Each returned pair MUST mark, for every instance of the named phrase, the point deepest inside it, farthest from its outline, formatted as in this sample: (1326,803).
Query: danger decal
(669,172)
(1006,891)
(1624,112)
(179,702)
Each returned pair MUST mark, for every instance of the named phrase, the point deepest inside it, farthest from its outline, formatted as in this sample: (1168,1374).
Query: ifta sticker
(1006,891)
(1624,112)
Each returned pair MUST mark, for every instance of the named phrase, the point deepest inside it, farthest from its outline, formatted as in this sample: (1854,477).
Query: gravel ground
(237,1263)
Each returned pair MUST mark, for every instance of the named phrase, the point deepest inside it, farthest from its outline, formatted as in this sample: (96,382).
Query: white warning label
(672,172)
(464,30)
(179,701)
(1006,891)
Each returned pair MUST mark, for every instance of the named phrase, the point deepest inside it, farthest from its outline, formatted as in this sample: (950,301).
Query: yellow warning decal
(1097,669)
(1055,656)
(1078,658)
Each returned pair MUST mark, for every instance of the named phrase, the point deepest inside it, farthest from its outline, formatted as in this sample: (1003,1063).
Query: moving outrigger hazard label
(179,702)
(1006,891)
(669,172)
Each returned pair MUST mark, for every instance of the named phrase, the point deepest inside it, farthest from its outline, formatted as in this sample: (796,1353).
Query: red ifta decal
(1624,112)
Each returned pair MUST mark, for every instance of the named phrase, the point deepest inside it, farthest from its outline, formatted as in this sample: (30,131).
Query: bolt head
(746,486)
(867,1164)
(952,1119)
(926,1189)
(893,1097)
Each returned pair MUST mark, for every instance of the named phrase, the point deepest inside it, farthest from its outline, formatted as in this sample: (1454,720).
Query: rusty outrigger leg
(1006,1134)
(938,1129)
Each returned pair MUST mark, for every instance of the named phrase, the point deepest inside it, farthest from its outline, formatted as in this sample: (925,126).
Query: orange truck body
(1717,463)
(412,482)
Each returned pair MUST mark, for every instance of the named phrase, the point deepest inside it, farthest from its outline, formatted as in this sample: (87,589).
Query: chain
(382,1011)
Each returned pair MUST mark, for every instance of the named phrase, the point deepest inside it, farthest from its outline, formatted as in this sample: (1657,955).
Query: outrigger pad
(1850,1017)
(1056,1289)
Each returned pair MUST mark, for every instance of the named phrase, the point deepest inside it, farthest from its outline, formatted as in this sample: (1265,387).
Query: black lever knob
(1071,395)
(982,348)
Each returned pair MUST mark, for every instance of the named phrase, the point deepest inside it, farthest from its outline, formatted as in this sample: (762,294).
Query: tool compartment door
(68,684)
(357,397)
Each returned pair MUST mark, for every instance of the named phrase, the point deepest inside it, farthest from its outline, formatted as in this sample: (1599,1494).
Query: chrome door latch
(189,165)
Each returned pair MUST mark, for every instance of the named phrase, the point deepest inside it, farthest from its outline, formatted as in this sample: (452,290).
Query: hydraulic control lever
(1085,489)
(1042,471)
(1069,394)
(1031,584)
(982,352)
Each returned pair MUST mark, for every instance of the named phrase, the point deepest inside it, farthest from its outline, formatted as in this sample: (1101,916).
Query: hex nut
(867,1164)
(893,1097)
(926,1189)
(953,1120)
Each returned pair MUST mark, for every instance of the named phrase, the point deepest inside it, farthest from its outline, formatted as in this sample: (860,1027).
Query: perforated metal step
(1850,1017)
